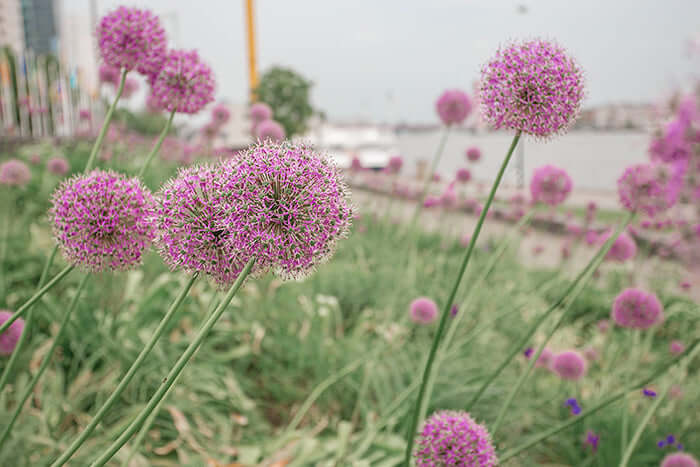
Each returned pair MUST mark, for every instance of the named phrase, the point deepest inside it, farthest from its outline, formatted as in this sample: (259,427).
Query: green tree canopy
(287,94)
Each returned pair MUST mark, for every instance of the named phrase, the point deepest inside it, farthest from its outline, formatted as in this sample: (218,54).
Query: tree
(287,94)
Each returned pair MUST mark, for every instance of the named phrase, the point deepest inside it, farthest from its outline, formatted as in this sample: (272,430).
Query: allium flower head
(453,107)
(533,87)
(395,164)
(679,459)
(58,165)
(220,114)
(550,185)
(259,112)
(463,175)
(133,39)
(450,438)
(109,74)
(637,309)
(192,223)
(473,154)
(85,115)
(423,310)
(290,206)
(14,173)
(648,188)
(9,338)
(569,365)
(676,347)
(545,358)
(623,248)
(270,130)
(101,220)
(184,84)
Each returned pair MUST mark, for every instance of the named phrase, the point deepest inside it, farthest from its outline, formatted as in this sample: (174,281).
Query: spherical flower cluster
(637,309)
(220,114)
(101,220)
(58,165)
(622,249)
(9,338)
(85,115)
(259,112)
(290,206)
(533,87)
(550,185)
(423,310)
(109,74)
(569,365)
(676,347)
(473,154)
(14,173)
(455,439)
(184,84)
(395,163)
(453,107)
(679,459)
(463,175)
(648,188)
(270,130)
(133,39)
(545,358)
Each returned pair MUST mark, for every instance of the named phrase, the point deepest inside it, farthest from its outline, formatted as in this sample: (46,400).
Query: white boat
(372,145)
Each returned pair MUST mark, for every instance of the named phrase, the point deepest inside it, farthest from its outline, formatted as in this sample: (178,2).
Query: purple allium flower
(14,173)
(550,185)
(637,309)
(533,87)
(133,39)
(592,439)
(259,112)
(449,197)
(455,439)
(9,338)
(679,459)
(270,130)
(395,163)
(85,115)
(220,114)
(58,165)
(473,154)
(431,202)
(545,359)
(101,220)
(649,188)
(649,392)
(109,74)
(676,347)
(184,84)
(623,248)
(463,175)
(423,310)
(453,106)
(290,206)
(569,365)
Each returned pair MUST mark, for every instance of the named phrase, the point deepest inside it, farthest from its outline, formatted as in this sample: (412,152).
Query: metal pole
(252,65)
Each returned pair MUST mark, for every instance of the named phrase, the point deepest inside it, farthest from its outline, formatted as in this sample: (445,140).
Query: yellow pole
(252,66)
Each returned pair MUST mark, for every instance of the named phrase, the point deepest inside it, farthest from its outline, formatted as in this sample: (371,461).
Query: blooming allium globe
(637,309)
(58,165)
(259,112)
(101,220)
(463,175)
(648,188)
(184,84)
(395,163)
(453,107)
(109,74)
(473,154)
(623,248)
(569,365)
(9,338)
(679,459)
(192,223)
(451,438)
(220,114)
(550,185)
(290,206)
(14,173)
(132,39)
(85,115)
(423,310)
(533,87)
(270,130)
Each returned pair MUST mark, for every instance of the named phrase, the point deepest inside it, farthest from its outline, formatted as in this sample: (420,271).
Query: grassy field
(323,371)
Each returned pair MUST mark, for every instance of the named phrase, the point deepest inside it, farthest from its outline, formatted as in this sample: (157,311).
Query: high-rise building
(40,34)
(11,30)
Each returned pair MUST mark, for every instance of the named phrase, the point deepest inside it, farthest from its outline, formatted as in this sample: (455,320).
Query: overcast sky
(388,60)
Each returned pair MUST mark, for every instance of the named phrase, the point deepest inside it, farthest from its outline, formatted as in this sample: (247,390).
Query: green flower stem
(105,125)
(601,405)
(75,445)
(44,363)
(169,380)
(590,267)
(156,147)
(4,240)
(448,304)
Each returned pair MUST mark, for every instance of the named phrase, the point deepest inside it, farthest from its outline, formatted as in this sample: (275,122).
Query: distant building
(11,28)
(621,116)
(77,48)
(40,29)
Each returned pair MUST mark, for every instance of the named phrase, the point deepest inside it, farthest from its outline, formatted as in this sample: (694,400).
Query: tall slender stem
(156,146)
(448,304)
(105,125)
(169,380)
(65,456)
(45,363)
(640,429)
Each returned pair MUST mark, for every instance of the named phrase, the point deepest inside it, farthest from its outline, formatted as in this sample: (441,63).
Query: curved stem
(65,456)
(105,125)
(156,147)
(645,421)
(169,380)
(448,304)
(45,363)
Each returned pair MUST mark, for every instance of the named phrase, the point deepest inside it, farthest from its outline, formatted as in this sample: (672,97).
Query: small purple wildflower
(14,173)
(550,185)
(453,107)
(661,444)
(670,439)
(9,338)
(637,309)
(58,166)
(573,404)
(423,310)
(649,392)
(569,365)
(454,310)
(270,130)
(592,439)
(184,84)
(679,460)
(528,352)
(679,446)
(455,439)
